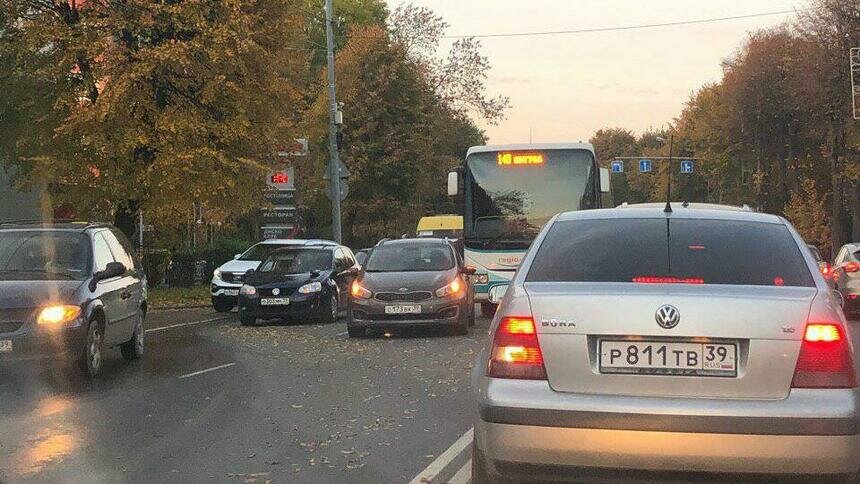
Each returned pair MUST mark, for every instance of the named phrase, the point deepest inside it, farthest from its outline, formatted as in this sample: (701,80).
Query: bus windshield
(511,195)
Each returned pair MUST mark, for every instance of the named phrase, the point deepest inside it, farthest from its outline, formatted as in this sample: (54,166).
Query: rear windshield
(404,257)
(680,250)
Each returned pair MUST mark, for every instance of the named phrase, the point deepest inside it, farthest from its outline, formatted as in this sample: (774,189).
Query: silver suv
(639,341)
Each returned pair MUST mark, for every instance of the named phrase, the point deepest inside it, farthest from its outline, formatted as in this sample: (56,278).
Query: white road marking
(464,475)
(189,375)
(449,463)
(153,330)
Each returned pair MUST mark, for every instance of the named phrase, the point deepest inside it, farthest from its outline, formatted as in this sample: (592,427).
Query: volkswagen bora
(638,341)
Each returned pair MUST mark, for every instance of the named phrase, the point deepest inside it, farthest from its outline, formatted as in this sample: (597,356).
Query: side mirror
(236,257)
(469,270)
(113,269)
(453,183)
(604,180)
(250,272)
(839,297)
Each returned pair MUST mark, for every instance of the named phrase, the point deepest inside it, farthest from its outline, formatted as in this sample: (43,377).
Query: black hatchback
(308,281)
(69,290)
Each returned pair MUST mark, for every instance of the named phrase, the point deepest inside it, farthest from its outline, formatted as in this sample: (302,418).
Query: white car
(227,279)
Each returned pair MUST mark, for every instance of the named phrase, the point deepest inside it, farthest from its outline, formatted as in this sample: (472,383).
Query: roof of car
(414,240)
(61,225)
(657,211)
(688,205)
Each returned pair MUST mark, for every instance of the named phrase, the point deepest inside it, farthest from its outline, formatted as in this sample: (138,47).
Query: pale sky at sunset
(565,87)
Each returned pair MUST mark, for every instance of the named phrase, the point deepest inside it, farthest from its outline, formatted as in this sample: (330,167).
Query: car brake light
(516,352)
(825,359)
(851,267)
(668,280)
(826,270)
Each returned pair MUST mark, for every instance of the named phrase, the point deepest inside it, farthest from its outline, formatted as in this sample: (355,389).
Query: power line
(626,27)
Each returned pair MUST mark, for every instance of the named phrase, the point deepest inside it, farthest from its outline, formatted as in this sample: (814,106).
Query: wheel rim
(95,349)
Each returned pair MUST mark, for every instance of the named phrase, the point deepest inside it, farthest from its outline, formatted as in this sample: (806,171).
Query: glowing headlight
(482,278)
(454,288)
(311,288)
(58,314)
(360,292)
(247,290)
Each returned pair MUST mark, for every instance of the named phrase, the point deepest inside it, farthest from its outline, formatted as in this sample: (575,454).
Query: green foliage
(807,211)
(184,263)
(155,266)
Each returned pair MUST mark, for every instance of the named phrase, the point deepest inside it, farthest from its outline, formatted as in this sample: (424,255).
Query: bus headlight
(482,278)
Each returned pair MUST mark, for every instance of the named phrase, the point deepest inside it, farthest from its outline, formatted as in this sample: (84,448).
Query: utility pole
(334,159)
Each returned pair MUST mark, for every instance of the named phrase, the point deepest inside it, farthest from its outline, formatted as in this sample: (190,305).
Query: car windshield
(46,255)
(410,257)
(297,261)
(260,252)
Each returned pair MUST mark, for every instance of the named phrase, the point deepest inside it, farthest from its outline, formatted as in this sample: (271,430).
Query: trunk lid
(765,322)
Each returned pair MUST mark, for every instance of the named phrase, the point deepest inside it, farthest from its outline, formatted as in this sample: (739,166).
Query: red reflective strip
(667,280)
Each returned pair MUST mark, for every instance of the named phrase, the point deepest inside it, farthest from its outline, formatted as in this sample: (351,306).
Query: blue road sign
(617,166)
(687,166)
(645,166)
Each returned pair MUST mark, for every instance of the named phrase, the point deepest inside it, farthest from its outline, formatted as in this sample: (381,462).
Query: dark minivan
(69,290)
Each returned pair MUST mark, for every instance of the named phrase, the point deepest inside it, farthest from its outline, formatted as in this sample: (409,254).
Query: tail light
(825,359)
(516,352)
(851,267)
(826,270)
(667,280)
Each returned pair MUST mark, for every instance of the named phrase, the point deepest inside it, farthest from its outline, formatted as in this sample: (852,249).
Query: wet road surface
(216,402)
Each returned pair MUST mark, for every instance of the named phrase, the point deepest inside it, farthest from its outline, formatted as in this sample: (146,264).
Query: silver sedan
(645,342)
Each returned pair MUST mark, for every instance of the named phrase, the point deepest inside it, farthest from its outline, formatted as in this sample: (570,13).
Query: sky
(566,87)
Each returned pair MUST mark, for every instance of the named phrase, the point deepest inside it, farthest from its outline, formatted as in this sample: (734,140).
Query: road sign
(344,190)
(299,148)
(617,166)
(276,232)
(283,179)
(645,166)
(278,216)
(280,197)
(687,166)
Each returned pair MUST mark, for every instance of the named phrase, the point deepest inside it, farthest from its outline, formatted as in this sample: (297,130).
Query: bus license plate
(403,309)
(275,301)
(668,358)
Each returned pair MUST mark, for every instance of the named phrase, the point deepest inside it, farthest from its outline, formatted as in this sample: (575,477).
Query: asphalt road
(216,402)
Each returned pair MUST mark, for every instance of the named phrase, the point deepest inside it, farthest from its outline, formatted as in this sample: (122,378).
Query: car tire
(328,313)
(92,357)
(247,319)
(222,306)
(133,349)
(356,331)
(488,310)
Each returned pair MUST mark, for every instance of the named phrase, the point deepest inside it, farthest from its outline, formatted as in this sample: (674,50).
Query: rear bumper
(526,422)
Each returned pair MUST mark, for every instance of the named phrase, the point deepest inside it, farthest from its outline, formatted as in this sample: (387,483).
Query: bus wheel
(488,310)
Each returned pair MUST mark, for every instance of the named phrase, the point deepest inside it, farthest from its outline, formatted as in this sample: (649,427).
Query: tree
(807,210)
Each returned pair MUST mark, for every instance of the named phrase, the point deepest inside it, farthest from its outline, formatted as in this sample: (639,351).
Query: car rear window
(682,250)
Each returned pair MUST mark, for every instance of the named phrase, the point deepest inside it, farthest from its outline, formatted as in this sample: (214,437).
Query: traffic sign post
(687,166)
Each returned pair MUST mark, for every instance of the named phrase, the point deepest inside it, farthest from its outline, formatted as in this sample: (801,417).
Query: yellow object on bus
(450,226)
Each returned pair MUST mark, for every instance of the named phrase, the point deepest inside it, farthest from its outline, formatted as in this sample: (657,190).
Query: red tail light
(825,359)
(826,270)
(851,267)
(516,352)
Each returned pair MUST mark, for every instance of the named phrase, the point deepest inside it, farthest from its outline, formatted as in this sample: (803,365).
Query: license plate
(5,346)
(403,309)
(275,301)
(665,358)
(231,292)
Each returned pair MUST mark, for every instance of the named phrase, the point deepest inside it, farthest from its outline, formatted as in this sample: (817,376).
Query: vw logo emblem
(668,316)
(276,291)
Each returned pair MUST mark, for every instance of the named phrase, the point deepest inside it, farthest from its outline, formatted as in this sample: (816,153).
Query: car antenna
(668,208)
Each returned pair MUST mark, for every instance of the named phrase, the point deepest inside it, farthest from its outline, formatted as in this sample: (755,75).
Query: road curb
(449,463)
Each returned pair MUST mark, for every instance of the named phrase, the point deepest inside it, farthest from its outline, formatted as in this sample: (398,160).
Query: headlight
(58,314)
(360,292)
(311,288)
(217,274)
(482,278)
(247,290)
(454,288)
